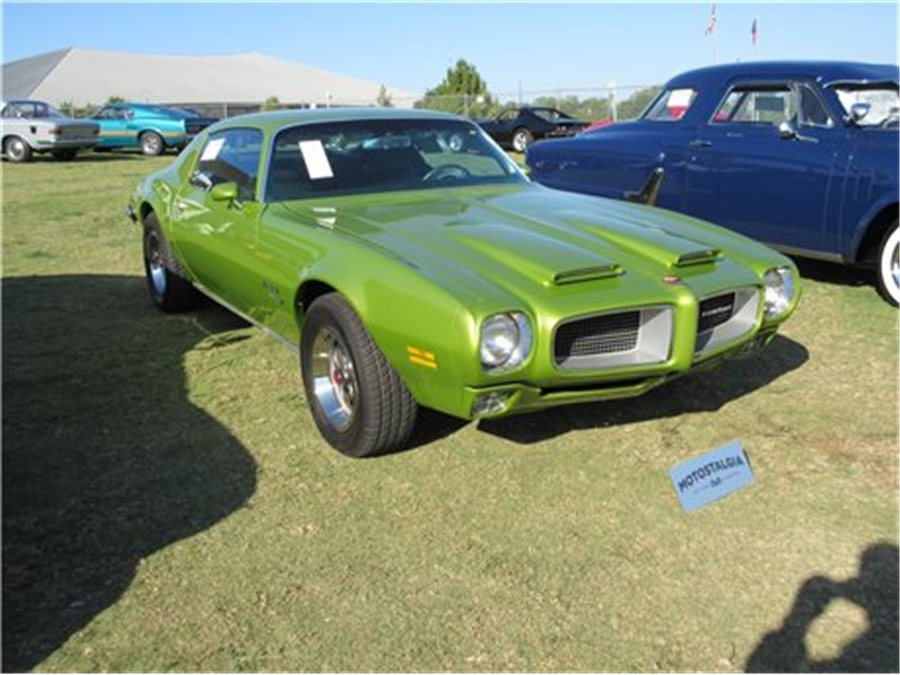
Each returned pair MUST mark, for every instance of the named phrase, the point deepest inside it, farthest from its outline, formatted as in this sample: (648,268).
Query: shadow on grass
(105,460)
(832,273)
(82,157)
(698,392)
(874,590)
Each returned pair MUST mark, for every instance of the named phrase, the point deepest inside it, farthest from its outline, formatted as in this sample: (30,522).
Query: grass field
(169,505)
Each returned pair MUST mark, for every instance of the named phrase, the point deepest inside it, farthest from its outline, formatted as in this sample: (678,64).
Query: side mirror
(787,132)
(224,192)
(858,111)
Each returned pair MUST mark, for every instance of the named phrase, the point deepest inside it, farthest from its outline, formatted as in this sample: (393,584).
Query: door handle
(700,143)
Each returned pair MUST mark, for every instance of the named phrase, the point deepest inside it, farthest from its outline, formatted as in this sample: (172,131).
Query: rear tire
(17,150)
(358,402)
(169,291)
(887,269)
(152,144)
(521,139)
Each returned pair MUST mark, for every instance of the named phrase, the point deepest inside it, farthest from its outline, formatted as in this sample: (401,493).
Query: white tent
(87,76)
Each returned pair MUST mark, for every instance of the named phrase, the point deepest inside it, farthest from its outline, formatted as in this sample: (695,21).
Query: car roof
(827,71)
(283,118)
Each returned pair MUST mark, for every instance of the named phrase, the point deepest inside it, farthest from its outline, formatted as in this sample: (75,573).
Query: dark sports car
(520,127)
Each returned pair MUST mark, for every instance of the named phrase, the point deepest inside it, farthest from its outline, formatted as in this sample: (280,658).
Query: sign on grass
(711,476)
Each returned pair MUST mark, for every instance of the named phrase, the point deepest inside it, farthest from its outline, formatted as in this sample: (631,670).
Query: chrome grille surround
(628,337)
(715,329)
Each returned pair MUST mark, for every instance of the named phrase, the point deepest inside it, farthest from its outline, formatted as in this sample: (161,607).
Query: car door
(218,238)
(114,132)
(766,162)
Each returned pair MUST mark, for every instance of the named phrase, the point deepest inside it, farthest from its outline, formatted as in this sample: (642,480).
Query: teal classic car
(150,128)
(413,264)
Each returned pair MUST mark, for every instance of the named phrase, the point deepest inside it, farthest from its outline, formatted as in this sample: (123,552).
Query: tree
(271,103)
(462,91)
(67,108)
(115,99)
(634,105)
(383,100)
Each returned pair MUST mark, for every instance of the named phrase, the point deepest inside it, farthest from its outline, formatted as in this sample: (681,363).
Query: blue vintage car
(150,128)
(800,155)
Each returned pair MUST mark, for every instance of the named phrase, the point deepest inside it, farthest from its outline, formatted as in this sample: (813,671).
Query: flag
(711,26)
(754,32)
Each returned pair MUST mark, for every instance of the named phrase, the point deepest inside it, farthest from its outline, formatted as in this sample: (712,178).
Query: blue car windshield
(369,156)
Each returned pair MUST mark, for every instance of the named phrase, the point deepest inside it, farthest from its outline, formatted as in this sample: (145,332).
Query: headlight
(779,291)
(505,342)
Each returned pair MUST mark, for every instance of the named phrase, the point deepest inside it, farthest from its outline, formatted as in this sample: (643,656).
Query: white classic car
(34,126)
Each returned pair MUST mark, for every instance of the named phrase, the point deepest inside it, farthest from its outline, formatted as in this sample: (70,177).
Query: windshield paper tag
(711,476)
(211,151)
(317,165)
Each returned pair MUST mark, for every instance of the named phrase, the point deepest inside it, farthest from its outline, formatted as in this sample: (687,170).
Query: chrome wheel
(155,265)
(16,150)
(520,140)
(151,143)
(334,378)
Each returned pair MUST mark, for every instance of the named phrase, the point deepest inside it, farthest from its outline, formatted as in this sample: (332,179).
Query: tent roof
(88,76)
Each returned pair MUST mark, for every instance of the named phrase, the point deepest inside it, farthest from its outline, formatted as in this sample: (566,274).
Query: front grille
(715,311)
(194,128)
(597,335)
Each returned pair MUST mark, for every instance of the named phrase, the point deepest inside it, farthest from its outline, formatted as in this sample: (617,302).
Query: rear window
(671,105)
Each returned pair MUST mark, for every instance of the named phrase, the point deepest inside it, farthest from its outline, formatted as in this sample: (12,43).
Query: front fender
(852,244)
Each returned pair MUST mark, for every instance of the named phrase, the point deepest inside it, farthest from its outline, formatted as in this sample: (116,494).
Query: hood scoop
(587,274)
(698,257)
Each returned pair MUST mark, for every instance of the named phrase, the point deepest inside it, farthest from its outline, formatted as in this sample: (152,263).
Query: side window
(769,104)
(811,111)
(671,105)
(230,156)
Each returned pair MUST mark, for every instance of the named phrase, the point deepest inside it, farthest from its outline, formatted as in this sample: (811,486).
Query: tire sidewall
(886,284)
(525,135)
(322,315)
(15,141)
(150,151)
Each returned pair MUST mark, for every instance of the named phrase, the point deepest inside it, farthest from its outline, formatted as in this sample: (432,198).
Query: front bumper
(511,398)
(65,144)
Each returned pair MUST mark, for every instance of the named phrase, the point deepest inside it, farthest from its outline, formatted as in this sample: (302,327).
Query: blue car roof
(826,71)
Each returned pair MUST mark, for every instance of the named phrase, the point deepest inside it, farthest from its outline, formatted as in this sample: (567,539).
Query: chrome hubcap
(15,149)
(151,143)
(519,142)
(155,265)
(890,265)
(334,379)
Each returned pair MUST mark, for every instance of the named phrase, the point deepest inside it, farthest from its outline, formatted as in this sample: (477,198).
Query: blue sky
(409,46)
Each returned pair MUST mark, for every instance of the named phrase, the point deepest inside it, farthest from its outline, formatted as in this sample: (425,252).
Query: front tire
(169,291)
(887,273)
(521,139)
(152,144)
(358,402)
(17,150)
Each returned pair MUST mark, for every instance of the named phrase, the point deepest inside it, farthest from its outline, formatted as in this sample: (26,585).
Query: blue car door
(767,165)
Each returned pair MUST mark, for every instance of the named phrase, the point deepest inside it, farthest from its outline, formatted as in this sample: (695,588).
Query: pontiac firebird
(413,264)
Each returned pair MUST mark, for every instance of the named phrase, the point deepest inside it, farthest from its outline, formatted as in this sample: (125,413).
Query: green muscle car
(413,263)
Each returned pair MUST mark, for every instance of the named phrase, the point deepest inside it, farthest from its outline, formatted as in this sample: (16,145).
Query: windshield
(881,98)
(344,158)
(30,110)
(550,114)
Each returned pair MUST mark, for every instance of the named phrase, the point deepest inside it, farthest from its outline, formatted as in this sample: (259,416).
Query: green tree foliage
(383,100)
(587,109)
(463,91)
(634,105)
(115,99)
(271,103)
(67,108)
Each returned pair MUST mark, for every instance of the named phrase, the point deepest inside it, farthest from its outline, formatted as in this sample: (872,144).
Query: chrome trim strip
(808,253)
(231,308)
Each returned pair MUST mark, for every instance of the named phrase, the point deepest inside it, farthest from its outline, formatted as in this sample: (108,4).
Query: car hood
(532,240)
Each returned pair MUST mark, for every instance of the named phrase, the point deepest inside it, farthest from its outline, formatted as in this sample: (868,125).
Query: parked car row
(31,127)
(801,156)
